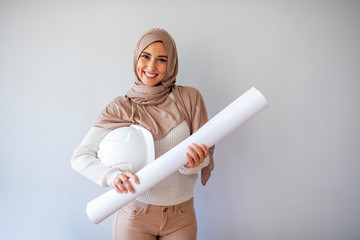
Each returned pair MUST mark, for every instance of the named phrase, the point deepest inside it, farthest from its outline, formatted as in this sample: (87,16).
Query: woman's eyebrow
(164,56)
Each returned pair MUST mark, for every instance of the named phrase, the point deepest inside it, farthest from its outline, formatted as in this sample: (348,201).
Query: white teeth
(150,75)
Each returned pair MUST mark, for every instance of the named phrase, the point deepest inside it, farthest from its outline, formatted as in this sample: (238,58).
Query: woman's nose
(151,65)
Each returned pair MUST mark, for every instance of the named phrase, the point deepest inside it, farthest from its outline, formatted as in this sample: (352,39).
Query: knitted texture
(85,159)
(174,189)
(178,187)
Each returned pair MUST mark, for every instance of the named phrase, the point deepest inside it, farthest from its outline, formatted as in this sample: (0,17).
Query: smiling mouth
(150,75)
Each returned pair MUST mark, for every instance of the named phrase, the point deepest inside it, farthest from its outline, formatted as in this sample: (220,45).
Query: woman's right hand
(121,182)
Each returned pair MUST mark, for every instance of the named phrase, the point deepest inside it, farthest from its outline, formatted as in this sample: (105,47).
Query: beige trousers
(141,221)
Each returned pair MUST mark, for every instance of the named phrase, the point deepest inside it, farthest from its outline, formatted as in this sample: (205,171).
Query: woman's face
(151,66)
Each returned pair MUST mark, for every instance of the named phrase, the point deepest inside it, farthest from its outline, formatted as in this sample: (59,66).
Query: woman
(171,113)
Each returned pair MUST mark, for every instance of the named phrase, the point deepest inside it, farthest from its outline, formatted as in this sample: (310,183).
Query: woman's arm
(85,159)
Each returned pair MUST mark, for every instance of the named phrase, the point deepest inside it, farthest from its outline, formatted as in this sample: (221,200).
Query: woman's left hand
(196,155)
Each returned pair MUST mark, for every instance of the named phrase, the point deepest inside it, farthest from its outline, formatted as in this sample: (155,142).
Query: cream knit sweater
(174,189)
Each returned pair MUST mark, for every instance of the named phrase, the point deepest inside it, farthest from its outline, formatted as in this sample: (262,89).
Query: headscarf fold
(150,106)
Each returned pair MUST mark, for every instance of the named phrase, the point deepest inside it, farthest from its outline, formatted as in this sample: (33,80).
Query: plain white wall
(290,173)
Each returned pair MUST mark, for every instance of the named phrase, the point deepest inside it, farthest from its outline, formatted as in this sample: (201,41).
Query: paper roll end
(256,91)
(90,215)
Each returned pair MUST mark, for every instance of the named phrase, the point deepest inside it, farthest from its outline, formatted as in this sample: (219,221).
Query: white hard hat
(128,148)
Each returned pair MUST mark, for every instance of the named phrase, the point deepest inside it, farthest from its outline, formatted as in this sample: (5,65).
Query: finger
(126,183)
(133,177)
(194,155)
(118,184)
(199,158)
(200,152)
(205,149)
(116,188)
(190,163)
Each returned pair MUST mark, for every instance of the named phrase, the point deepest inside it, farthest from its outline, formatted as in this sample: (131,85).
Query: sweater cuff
(189,171)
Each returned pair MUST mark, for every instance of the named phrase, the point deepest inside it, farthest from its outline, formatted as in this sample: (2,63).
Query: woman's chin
(151,83)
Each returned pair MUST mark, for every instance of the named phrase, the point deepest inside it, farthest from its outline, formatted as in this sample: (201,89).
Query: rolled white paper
(239,111)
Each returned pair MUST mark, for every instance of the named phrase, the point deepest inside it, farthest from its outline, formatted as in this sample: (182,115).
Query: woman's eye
(145,56)
(162,60)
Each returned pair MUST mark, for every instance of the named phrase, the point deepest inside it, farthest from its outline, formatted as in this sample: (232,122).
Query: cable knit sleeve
(85,159)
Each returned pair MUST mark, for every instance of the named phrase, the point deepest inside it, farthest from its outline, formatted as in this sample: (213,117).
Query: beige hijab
(150,107)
